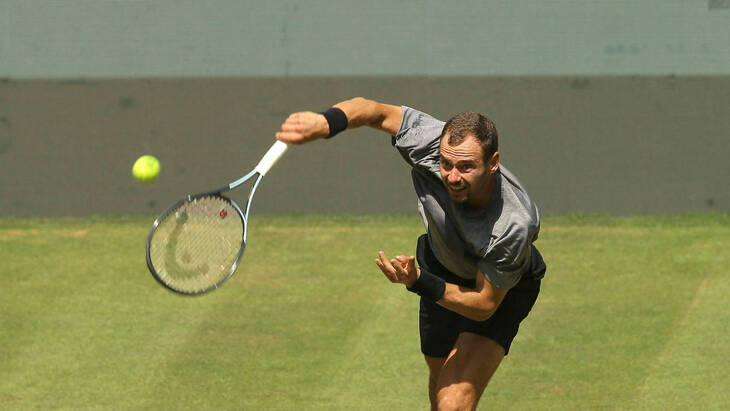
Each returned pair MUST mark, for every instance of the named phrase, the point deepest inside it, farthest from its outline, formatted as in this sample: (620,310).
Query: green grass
(633,315)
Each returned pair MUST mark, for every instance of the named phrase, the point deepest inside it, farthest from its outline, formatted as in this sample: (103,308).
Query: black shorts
(441,327)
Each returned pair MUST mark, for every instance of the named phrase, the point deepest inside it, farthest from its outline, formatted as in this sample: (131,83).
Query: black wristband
(429,286)
(337,120)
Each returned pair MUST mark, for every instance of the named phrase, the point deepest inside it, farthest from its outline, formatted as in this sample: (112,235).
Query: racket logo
(223,213)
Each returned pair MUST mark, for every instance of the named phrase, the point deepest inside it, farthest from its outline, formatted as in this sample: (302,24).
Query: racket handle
(271,157)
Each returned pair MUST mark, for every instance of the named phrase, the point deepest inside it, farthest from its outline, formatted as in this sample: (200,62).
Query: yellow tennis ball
(146,168)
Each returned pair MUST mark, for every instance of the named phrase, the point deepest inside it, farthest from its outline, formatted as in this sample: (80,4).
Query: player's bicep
(391,119)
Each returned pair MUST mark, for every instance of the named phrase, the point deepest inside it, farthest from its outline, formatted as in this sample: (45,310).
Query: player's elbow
(359,102)
(483,316)
(484,311)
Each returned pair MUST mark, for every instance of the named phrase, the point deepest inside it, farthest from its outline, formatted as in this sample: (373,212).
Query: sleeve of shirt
(508,258)
(418,139)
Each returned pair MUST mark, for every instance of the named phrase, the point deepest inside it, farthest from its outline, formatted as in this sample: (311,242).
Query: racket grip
(271,157)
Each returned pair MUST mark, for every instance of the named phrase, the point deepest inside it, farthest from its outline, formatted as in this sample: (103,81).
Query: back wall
(615,107)
(623,145)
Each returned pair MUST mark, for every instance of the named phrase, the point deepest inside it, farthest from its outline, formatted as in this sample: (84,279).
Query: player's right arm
(306,126)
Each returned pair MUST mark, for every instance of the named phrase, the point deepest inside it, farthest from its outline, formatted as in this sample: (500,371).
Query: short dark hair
(474,124)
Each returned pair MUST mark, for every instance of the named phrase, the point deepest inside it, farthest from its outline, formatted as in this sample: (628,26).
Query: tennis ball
(146,168)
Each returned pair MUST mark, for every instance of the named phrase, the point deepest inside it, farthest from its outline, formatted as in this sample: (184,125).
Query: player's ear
(493,164)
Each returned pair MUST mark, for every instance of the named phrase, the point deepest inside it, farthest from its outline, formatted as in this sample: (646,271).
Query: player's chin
(459,196)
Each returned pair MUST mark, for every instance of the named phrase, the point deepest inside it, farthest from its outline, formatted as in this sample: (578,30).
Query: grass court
(632,315)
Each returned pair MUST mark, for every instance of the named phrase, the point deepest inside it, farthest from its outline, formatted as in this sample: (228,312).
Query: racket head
(197,243)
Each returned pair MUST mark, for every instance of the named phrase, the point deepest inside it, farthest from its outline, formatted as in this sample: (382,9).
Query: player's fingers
(293,118)
(397,266)
(292,126)
(289,120)
(385,271)
(403,260)
(285,137)
(388,266)
(398,270)
(406,262)
(386,263)
(289,134)
(290,137)
(411,263)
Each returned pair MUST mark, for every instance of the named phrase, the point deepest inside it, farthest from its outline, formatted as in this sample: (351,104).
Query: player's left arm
(477,304)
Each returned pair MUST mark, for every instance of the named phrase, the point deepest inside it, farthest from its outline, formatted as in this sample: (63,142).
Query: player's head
(476,125)
(469,157)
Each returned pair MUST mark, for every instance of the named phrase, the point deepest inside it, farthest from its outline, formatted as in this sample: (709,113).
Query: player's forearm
(478,303)
(363,112)
(305,126)
(470,303)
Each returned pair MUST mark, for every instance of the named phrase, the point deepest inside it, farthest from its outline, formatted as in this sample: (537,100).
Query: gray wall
(603,106)
(580,144)
(234,38)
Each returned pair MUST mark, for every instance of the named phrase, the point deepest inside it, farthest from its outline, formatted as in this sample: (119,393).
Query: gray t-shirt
(496,241)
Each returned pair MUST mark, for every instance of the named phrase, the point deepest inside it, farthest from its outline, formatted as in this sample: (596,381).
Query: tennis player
(478,273)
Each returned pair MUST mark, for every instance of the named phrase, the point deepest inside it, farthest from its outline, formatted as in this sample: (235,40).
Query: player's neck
(481,199)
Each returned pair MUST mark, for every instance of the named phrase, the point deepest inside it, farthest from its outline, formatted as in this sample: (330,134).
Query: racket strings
(196,246)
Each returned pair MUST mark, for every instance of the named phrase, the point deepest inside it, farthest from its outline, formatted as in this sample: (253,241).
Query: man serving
(477,272)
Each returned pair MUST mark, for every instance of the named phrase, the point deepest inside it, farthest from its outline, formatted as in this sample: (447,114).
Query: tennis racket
(197,243)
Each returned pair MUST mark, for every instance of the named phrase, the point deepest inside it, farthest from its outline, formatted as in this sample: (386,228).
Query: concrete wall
(235,38)
(603,106)
(580,144)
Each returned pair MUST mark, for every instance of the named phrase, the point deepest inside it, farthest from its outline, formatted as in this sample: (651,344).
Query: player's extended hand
(400,269)
(303,127)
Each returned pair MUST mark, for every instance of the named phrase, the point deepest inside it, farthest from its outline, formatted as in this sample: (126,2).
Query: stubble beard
(458,196)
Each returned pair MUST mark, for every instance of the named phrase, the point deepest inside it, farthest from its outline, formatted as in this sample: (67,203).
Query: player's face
(468,179)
